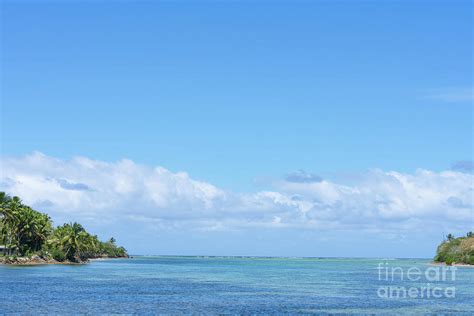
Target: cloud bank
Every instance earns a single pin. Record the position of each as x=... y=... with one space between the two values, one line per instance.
x=379 y=201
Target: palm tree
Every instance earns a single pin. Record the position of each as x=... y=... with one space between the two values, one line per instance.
x=10 y=211
x=23 y=229
x=4 y=214
x=26 y=231
x=73 y=240
x=4 y=198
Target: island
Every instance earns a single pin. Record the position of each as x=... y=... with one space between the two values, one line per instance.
x=28 y=237
x=454 y=251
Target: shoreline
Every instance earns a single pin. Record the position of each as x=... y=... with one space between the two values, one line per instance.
x=34 y=261
x=464 y=265
x=37 y=260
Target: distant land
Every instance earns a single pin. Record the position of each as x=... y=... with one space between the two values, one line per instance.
x=28 y=237
x=456 y=250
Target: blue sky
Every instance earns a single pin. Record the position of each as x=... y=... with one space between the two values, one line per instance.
x=240 y=94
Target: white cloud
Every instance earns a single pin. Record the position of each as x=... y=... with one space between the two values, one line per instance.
x=126 y=191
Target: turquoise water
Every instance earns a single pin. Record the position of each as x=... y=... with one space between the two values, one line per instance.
x=231 y=285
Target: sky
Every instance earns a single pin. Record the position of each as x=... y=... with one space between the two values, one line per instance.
x=279 y=128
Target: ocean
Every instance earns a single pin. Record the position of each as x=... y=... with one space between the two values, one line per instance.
x=237 y=285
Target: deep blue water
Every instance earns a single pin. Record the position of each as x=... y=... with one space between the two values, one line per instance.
x=230 y=285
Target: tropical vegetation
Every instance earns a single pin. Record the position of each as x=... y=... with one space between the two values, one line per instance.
x=456 y=250
x=26 y=232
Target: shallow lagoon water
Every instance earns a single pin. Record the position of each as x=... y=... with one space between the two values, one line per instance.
x=230 y=285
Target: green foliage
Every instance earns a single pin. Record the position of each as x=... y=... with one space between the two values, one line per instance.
x=456 y=250
x=471 y=259
x=449 y=261
x=25 y=231
x=111 y=250
x=58 y=254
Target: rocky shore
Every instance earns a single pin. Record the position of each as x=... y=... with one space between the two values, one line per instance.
x=39 y=260
x=33 y=260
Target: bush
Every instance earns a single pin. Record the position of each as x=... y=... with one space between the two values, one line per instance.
x=449 y=261
x=58 y=255
x=471 y=259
